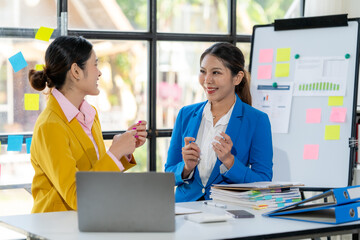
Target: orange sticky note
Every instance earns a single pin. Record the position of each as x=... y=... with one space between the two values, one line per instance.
x=311 y=151
x=338 y=114
x=31 y=101
x=313 y=115
x=44 y=34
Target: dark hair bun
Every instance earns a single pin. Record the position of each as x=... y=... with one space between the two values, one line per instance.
x=37 y=79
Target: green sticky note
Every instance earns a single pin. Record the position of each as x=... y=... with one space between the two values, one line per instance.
x=283 y=54
x=44 y=34
x=282 y=70
x=332 y=132
x=31 y=101
x=336 y=101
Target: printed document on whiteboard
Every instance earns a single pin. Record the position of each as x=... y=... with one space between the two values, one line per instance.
x=276 y=102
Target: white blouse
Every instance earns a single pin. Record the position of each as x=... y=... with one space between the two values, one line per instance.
x=205 y=137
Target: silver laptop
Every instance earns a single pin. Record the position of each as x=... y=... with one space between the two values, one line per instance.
x=125 y=202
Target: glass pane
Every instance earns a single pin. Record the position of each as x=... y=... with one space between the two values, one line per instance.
x=123 y=85
x=162 y=146
x=14 y=85
x=26 y=13
x=177 y=83
x=120 y=15
x=140 y=156
x=245 y=48
x=15 y=167
x=192 y=16
x=252 y=12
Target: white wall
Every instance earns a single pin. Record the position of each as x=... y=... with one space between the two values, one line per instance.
x=329 y=7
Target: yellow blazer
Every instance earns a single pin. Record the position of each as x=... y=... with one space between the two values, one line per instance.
x=58 y=150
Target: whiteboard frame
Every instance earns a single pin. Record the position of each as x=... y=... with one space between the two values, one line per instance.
x=352 y=110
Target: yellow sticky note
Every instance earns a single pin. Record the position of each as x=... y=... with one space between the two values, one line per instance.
x=336 y=101
x=39 y=67
x=44 y=34
x=332 y=132
x=31 y=101
x=282 y=70
x=283 y=54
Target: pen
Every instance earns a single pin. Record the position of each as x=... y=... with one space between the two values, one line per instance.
x=219 y=205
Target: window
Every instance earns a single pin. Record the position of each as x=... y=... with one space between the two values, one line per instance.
x=148 y=53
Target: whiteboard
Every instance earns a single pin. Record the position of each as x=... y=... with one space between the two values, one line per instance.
x=333 y=166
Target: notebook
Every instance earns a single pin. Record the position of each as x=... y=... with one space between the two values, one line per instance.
x=125 y=202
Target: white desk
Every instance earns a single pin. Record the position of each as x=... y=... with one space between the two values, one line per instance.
x=63 y=225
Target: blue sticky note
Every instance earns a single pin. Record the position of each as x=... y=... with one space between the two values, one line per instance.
x=18 y=62
x=28 y=144
x=15 y=143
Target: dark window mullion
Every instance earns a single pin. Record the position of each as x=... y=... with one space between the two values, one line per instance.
x=152 y=86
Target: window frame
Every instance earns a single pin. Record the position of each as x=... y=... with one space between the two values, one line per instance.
x=152 y=36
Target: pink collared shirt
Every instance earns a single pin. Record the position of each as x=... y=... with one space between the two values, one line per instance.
x=85 y=117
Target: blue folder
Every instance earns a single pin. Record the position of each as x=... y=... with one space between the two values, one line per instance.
x=338 y=205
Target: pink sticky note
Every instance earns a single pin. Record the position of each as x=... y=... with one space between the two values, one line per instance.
x=313 y=115
x=264 y=72
x=266 y=55
x=338 y=114
x=311 y=151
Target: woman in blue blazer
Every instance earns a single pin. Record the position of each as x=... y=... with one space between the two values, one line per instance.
x=222 y=140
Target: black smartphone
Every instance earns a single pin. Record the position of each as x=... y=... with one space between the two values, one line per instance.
x=240 y=214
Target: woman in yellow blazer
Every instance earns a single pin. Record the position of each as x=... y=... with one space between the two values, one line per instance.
x=67 y=135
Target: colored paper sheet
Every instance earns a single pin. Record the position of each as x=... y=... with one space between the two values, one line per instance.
x=18 y=62
x=332 y=132
x=311 y=152
x=336 y=101
x=44 y=34
x=283 y=54
x=15 y=142
x=264 y=72
x=39 y=67
x=282 y=70
x=28 y=144
x=338 y=114
x=313 y=115
x=31 y=101
x=266 y=55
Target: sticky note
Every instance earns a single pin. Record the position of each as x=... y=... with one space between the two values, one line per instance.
x=313 y=115
x=28 y=144
x=283 y=54
x=311 y=152
x=332 y=132
x=31 y=101
x=15 y=142
x=282 y=70
x=44 y=34
x=266 y=55
x=338 y=114
x=336 y=101
x=264 y=72
x=18 y=62
x=39 y=67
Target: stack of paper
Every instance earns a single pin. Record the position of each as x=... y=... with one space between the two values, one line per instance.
x=257 y=195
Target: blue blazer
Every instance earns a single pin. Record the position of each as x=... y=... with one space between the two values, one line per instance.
x=250 y=132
